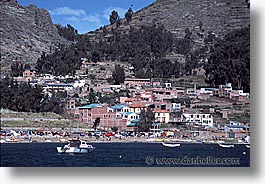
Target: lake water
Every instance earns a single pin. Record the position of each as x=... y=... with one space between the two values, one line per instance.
x=125 y=155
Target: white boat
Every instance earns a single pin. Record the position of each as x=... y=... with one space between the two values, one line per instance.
x=2 y=141
x=247 y=146
x=226 y=145
x=171 y=145
x=76 y=146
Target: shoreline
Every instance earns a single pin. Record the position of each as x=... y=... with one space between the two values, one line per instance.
x=114 y=140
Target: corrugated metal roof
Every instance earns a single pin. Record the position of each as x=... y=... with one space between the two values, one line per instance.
x=90 y=106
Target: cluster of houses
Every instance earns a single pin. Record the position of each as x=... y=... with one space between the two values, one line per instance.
x=124 y=112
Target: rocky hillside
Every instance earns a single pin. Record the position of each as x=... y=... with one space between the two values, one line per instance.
x=218 y=16
x=200 y=16
x=26 y=32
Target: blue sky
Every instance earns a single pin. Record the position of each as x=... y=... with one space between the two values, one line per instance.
x=85 y=15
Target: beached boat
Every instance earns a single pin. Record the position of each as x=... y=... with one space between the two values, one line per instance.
x=226 y=145
x=76 y=146
x=171 y=145
x=247 y=146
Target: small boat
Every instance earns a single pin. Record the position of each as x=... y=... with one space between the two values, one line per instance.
x=226 y=145
x=76 y=146
x=247 y=146
x=171 y=145
x=2 y=141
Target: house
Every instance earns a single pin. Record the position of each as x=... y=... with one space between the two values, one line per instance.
x=212 y=91
x=146 y=97
x=224 y=90
x=85 y=112
x=198 y=119
x=136 y=83
x=131 y=118
x=57 y=87
x=161 y=116
x=70 y=105
x=127 y=100
x=236 y=127
x=176 y=107
x=107 y=118
x=168 y=85
x=120 y=108
x=137 y=108
x=239 y=96
x=30 y=72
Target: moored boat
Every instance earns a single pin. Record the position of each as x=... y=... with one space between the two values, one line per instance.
x=76 y=146
x=247 y=146
x=171 y=145
x=2 y=141
x=226 y=145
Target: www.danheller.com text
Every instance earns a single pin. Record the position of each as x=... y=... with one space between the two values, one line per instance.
x=208 y=160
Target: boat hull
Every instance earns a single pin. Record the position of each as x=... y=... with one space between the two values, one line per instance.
x=247 y=146
x=171 y=145
x=226 y=146
x=74 y=150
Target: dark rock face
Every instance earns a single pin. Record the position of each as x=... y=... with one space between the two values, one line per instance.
x=218 y=16
x=26 y=32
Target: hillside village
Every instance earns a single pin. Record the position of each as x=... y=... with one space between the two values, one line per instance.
x=186 y=109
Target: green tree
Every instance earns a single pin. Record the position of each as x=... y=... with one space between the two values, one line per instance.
x=147 y=118
x=128 y=15
x=118 y=74
x=229 y=60
x=113 y=17
x=96 y=123
x=92 y=96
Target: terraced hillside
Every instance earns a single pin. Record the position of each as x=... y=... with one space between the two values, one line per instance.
x=218 y=16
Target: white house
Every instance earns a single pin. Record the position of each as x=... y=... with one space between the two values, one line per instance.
x=130 y=117
x=199 y=119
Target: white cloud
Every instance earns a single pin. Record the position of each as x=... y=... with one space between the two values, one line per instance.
x=72 y=18
x=107 y=12
x=91 y=18
x=67 y=11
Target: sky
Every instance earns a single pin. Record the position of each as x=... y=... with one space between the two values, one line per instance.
x=85 y=15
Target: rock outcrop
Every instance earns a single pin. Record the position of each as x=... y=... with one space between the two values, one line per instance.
x=26 y=32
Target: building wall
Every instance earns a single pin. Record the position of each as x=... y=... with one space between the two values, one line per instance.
x=201 y=119
x=162 y=116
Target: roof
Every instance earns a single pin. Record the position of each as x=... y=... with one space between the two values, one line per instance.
x=236 y=126
x=60 y=84
x=131 y=125
x=32 y=69
x=90 y=106
x=120 y=106
x=128 y=113
x=161 y=111
x=135 y=120
x=137 y=106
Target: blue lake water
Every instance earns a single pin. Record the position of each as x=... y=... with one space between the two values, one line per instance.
x=125 y=155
